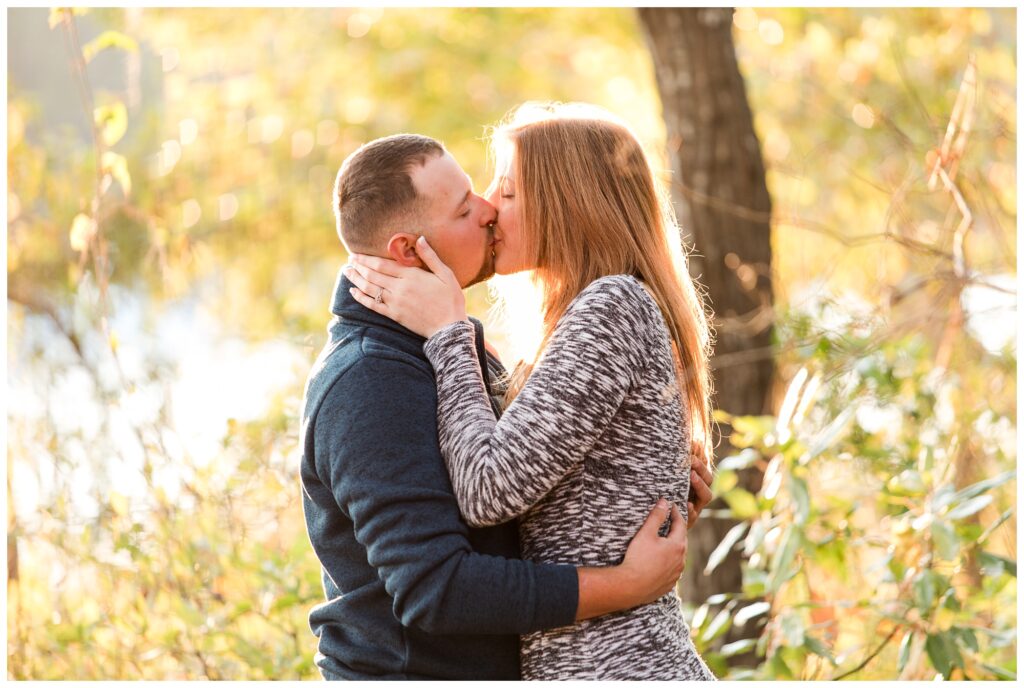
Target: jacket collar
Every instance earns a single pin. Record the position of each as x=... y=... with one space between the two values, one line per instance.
x=347 y=308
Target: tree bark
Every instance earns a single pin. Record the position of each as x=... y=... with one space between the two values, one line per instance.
x=721 y=198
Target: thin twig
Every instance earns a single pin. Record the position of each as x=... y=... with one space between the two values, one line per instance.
x=869 y=657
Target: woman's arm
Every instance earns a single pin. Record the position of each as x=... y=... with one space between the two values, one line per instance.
x=501 y=468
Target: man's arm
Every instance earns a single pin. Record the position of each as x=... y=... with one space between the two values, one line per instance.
x=611 y=589
x=376 y=445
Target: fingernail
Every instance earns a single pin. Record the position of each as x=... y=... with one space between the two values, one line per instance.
x=662 y=503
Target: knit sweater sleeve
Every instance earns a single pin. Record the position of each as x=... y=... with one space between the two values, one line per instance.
x=501 y=468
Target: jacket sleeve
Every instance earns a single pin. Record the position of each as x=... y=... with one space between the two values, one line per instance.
x=501 y=468
x=376 y=446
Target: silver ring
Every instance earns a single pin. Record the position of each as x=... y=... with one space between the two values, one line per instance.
x=379 y=298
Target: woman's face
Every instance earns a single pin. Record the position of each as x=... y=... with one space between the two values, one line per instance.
x=509 y=251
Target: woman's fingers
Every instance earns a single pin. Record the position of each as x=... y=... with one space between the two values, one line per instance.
x=677 y=531
x=699 y=491
x=654 y=519
x=432 y=261
x=362 y=284
x=383 y=265
x=699 y=462
x=373 y=277
x=370 y=302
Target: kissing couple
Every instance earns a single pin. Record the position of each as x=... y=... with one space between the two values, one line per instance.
x=475 y=523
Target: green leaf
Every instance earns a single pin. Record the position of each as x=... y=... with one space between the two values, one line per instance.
x=746 y=458
x=750 y=611
x=994 y=565
x=939 y=654
x=108 y=39
x=754 y=581
x=754 y=538
x=970 y=507
x=819 y=648
x=944 y=496
x=793 y=629
x=826 y=437
x=967 y=637
x=725 y=546
x=924 y=591
x=699 y=617
x=945 y=540
x=998 y=639
x=723 y=482
x=943 y=652
x=735 y=648
x=112 y=121
x=998 y=522
x=904 y=652
x=778 y=667
x=780 y=570
x=949 y=600
x=999 y=672
x=801 y=497
x=742 y=503
x=719 y=625
x=984 y=485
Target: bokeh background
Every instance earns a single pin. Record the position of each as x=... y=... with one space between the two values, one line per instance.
x=171 y=251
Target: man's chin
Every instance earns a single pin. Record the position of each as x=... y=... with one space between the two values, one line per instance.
x=486 y=272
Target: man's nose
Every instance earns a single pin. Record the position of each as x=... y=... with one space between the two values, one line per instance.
x=490 y=213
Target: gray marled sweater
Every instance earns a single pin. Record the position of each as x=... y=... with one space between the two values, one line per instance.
x=592 y=441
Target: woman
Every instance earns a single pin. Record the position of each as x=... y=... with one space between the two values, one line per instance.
x=602 y=414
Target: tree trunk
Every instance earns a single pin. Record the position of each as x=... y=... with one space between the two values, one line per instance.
x=722 y=201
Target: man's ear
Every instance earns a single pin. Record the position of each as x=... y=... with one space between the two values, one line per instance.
x=402 y=248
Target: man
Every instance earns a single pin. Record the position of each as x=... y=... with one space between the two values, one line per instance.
x=412 y=592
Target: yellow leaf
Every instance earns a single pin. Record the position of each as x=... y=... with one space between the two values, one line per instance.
x=113 y=122
x=83 y=228
x=57 y=13
x=117 y=167
x=119 y=503
x=108 y=39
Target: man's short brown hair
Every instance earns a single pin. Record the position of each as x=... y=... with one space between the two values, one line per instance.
x=374 y=191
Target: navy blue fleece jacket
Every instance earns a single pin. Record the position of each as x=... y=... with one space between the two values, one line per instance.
x=411 y=591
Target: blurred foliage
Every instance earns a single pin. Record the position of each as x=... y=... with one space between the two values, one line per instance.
x=202 y=185
x=883 y=540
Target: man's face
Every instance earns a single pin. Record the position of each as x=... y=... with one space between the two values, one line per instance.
x=456 y=220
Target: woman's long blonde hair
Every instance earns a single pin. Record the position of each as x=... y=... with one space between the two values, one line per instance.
x=589 y=206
